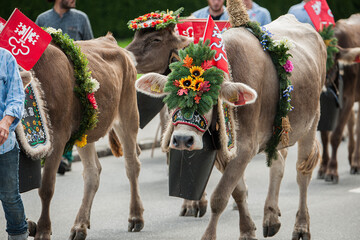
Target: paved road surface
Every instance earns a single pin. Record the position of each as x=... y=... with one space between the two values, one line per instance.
x=334 y=209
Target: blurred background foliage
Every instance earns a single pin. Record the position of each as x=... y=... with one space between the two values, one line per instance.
x=113 y=15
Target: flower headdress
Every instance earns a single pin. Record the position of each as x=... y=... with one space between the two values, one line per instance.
x=157 y=20
x=194 y=82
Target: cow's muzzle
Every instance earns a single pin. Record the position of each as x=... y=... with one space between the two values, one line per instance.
x=186 y=141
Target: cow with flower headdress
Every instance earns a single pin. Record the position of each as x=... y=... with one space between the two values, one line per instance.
x=271 y=95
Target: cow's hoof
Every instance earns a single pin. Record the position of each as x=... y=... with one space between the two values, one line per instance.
x=320 y=175
x=247 y=238
x=301 y=235
x=44 y=236
x=32 y=228
x=332 y=178
x=135 y=225
x=354 y=170
x=269 y=231
x=78 y=235
x=193 y=210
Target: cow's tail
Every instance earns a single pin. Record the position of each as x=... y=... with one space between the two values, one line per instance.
x=306 y=167
x=238 y=15
x=115 y=144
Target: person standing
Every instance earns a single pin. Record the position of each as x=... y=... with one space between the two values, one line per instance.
x=215 y=8
x=76 y=24
x=257 y=13
x=300 y=13
x=11 y=109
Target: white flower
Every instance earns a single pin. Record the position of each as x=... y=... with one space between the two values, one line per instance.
x=287 y=43
x=95 y=84
x=28 y=137
x=51 y=30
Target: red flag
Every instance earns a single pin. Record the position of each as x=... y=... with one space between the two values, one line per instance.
x=195 y=28
x=319 y=13
x=213 y=33
x=24 y=39
x=2 y=23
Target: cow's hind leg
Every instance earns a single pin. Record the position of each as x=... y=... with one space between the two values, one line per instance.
x=308 y=156
x=355 y=161
x=271 y=223
x=91 y=175
x=127 y=129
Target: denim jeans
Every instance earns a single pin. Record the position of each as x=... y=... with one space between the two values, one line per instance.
x=9 y=193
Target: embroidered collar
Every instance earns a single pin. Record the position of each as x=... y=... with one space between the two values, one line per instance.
x=197 y=121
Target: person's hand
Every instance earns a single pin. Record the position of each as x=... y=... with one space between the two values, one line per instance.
x=5 y=124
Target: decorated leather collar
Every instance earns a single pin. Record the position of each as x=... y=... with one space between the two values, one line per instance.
x=197 y=121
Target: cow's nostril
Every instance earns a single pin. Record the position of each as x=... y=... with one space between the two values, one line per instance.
x=189 y=142
x=175 y=142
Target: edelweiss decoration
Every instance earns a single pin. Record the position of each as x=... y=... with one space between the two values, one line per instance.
x=85 y=89
x=157 y=20
x=278 y=50
x=194 y=82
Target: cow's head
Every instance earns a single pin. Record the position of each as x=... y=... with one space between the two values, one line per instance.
x=154 y=49
x=192 y=89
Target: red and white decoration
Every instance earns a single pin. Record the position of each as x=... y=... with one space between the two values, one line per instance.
x=195 y=27
x=2 y=23
x=213 y=33
x=319 y=13
x=24 y=39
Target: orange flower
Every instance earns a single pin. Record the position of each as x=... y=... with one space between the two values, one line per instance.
x=188 y=61
x=196 y=83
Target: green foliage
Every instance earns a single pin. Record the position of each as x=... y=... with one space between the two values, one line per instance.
x=197 y=97
x=84 y=85
x=108 y=15
x=331 y=41
x=279 y=54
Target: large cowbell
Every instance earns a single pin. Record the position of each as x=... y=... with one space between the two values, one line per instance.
x=189 y=171
x=148 y=108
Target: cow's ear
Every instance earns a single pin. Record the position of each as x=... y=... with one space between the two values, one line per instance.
x=182 y=41
x=237 y=94
x=349 y=55
x=151 y=84
x=26 y=78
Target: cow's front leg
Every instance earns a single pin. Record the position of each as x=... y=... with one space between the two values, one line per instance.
x=325 y=138
x=194 y=208
x=219 y=199
x=271 y=223
x=46 y=192
x=91 y=175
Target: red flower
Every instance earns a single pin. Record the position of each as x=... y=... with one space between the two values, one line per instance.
x=134 y=26
x=205 y=86
x=92 y=100
x=182 y=92
x=31 y=97
x=197 y=99
x=27 y=90
x=146 y=25
x=206 y=64
x=153 y=24
x=176 y=83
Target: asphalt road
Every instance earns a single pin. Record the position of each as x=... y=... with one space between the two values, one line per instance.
x=334 y=209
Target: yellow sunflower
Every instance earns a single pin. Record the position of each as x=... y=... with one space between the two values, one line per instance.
x=186 y=83
x=196 y=84
x=196 y=71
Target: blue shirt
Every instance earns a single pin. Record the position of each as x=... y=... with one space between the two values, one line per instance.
x=74 y=22
x=204 y=13
x=259 y=14
x=300 y=13
x=11 y=95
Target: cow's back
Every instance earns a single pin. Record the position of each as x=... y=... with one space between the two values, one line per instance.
x=252 y=65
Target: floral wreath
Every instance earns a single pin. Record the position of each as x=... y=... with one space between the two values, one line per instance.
x=85 y=89
x=157 y=20
x=278 y=50
x=328 y=35
x=194 y=83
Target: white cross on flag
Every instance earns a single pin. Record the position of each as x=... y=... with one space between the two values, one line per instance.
x=24 y=39
x=2 y=23
x=213 y=33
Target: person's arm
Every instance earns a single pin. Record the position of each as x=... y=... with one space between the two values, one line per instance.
x=87 y=32
x=14 y=100
x=267 y=17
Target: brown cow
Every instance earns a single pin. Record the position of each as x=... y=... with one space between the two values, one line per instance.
x=347 y=31
x=116 y=99
x=253 y=71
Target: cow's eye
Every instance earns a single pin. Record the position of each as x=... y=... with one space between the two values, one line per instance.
x=156 y=40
